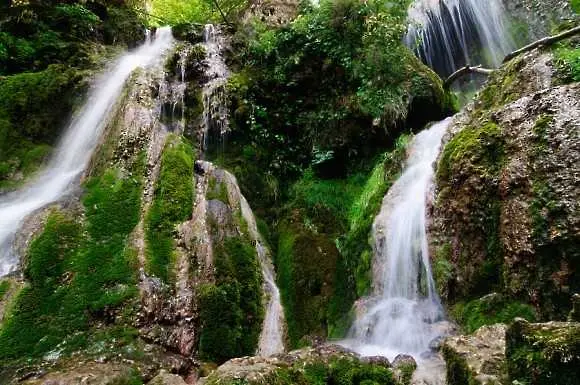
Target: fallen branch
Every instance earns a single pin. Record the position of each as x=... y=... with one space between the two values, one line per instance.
x=464 y=71
x=547 y=41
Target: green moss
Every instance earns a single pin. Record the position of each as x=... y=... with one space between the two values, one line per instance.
x=457 y=372
x=543 y=354
x=231 y=308
x=490 y=310
x=218 y=191
x=33 y=108
x=337 y=370
x=4 y=287
x=172 y=204
x=79 y=270
x=443 y=269
x=568 y=62
x=481 y=146
x=575 y=4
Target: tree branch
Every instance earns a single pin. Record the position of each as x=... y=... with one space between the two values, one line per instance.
x=543 y=42
x=464 y=71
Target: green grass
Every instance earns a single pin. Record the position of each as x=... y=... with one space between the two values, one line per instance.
x=79 y=270
x=172 y=204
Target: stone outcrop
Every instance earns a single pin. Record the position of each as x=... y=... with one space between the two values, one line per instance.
x=506 y=216
x=547 y=353
x=328 y=364
x=534 y=19
x=478 y=358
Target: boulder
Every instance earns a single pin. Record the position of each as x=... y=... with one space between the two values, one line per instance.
x=164 y=378
x=478 y=358
x=543 y=353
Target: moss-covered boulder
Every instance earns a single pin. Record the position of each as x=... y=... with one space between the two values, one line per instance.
x=506 y=214
x=543 y=354
x=322 y=365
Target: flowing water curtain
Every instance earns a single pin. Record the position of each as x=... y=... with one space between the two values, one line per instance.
x=449 y=34
x=73 y=153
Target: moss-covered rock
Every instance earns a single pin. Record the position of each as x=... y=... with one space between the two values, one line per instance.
x=505 y=216
x=323 y=365
x=542 y=354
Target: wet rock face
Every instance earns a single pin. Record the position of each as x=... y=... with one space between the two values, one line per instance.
x=477 y=358
x=535 y=19
x=506 y=216
x=547 y=353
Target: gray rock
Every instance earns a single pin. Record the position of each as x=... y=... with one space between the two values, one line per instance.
x=479 y=357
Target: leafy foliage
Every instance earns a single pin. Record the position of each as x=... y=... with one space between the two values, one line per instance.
x=316 y=86
x=175 y=12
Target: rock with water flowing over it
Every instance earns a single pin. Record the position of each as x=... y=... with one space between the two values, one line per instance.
x=506 y=214
x=478 y=358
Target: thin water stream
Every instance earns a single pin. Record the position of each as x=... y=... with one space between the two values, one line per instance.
x=76 y=147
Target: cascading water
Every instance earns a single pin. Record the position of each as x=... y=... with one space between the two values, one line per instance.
x=272 y=336
x=215 y=109
x=402 y=314
x=75 y=149
x=449 y=34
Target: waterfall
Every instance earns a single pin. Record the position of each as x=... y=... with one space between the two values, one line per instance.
x=401 y=315
x=76 y=147
x=272 y=336
x=215 y=120
x=449 y=34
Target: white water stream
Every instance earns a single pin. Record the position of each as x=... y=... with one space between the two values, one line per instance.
x=215 y=109
x=76 y=147
x=448 y=34
x=401 y=317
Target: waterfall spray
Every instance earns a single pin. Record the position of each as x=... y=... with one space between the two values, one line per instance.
x=449 y=34
x=75 y=149
x=401 y=314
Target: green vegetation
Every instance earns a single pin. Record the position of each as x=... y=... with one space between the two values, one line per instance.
x=32 y=106
x=231 y=310
x=568 y=60
x=79 y=271
x=174 y=12
x=329 y=221
x=338 y=370
x=47 y=51
x=172 y=204
x=575 y=4
x=490 y=310
x=543 y=354
x=4 y=287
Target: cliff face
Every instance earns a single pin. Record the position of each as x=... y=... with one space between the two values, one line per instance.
x=506 y=213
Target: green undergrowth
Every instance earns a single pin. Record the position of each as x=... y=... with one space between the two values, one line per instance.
x=231 y=310
x=543 y=354
x=47 y=53
x=172 y=204
x=4 y=287
x=329 y=221
x=80 y=271
x=568 y=61
x=489 y=310
x=33 y=107
x=343 y=371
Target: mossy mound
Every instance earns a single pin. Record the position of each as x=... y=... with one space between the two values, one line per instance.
x=544 y=354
